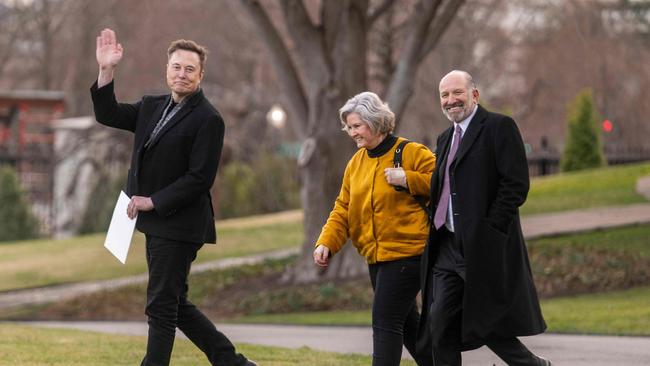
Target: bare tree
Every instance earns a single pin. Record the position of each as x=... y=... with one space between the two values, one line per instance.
x=34 y=28
x=479 y=42
x=10 y=29
x=573 y=45
x=319 y=51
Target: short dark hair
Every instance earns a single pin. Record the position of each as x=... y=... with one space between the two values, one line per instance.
x=187 y=45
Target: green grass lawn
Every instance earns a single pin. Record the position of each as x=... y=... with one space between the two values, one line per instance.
x=28 y=346
x=618 y=312
x=590 y=188
x=614 y=313
x=623 y=244
x=336 y=318
x=47 y=262
x=633 y=239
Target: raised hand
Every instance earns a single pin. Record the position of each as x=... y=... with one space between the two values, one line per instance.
x=109 y=52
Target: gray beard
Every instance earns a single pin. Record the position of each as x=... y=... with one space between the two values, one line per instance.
x=464 y=115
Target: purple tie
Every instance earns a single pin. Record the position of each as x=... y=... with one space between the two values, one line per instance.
x=443 y=204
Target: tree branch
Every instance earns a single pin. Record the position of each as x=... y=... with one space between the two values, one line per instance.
x=8 y=52
x=282 y=63
x=308 y=41
x=400 y=88
x=331 y=18
x=439 y=26
x=379 y=11
x=349 y=55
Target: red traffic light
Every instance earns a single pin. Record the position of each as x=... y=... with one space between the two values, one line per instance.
x=607 y=126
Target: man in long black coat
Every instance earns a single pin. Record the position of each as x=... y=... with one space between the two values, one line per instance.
x=176 y=150
x=477 y=283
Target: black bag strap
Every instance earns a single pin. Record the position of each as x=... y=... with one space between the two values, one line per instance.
x=397 y=163
x=397 y=158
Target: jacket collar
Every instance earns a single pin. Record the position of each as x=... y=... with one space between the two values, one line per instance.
x=473 y=130
x=475 y=126
x=188 y=106
x=384 y=146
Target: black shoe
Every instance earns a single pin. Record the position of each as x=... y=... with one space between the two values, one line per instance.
x=544 y=362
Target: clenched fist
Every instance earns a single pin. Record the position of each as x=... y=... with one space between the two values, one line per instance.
x=396 y=177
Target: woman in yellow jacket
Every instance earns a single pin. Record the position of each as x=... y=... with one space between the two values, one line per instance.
x=388 y=227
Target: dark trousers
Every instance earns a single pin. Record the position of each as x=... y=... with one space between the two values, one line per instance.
x=445 y=312
x=394 y=312
x=168 y=307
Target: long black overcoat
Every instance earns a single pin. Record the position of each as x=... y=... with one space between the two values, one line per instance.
x=488 y=181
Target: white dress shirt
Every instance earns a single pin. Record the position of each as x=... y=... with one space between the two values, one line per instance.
x=463 y=126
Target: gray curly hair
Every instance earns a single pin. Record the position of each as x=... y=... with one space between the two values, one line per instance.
x=372 y=110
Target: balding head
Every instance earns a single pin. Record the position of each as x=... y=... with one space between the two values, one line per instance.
x=458 y=95
x=460 y=74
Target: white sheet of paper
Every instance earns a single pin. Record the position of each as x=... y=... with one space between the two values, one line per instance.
x=120 y=232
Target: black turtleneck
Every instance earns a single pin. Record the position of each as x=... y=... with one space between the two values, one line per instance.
x=383 y=147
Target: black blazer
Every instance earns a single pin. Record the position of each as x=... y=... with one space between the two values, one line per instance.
x=488 y=181
x=177 y=169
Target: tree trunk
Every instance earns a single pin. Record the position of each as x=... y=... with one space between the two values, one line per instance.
x=325 y=65
x=321 y=174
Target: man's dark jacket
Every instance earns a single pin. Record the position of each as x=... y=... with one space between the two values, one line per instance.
x=488 y=182
x=177 y=168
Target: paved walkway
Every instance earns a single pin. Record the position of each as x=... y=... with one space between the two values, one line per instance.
x=568 y=350
x=534 y=226
x=9 y=299
x=572 y=350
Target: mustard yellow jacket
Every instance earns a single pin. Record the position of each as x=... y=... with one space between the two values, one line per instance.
x=383 y=224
